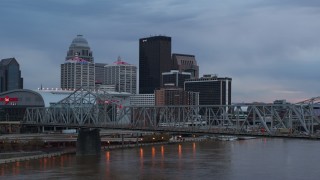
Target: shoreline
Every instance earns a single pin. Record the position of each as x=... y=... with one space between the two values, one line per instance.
x=39 y=156
x=103 y=148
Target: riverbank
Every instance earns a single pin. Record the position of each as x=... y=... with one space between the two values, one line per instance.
x=25 y=156
x=36 y=155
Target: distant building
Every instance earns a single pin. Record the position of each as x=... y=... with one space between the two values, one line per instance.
x=78 y=69
x=175 y=96
x=13 y=105
x=108 y=88
x=212 y=90
x=186 y=63
x=76 y=73
x=81 y=48
x=99 y=72
x=10 y=75
x=175 y=78
x=154 y=59
x=122 y=75
x=142 y=100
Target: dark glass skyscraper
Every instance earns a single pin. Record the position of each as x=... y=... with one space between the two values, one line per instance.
x=154 y=59
x=10 y=75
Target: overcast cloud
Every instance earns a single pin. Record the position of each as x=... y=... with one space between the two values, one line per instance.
x=271 y=48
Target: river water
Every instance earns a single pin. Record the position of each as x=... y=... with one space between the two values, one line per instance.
x=261 y=158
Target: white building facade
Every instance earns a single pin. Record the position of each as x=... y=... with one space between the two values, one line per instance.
x=75 y=74
x=122 y=75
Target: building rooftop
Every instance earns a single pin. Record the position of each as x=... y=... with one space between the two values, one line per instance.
x=79 y=41
x=7 y=61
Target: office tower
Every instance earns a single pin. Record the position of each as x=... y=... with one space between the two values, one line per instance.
x=174 y=78
x=175 y=96
x=186 y=63
x=76 y=73
x=154 y=59
x=10 y=75
x=81 y=48
x=122 y=75
x=212 y=90
x=99 y=72
x=78 y=69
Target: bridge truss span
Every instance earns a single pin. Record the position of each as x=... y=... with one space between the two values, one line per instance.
x=237 y=119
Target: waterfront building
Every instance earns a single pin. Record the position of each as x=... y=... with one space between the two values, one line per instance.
x=175 y=96
x=186 y=63
x=122 y=75
x=212 y=90
x=78 y=69
x=10 y=75
x=80 y=47
x=154 y=59
x=175 y=78
x=13 y=105
x=142 y=100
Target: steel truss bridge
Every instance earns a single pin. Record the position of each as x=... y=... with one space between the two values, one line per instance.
x=85 y=108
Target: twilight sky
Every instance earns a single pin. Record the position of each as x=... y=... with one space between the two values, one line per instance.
x=270 y=48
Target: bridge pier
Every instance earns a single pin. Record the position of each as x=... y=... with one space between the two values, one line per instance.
x=88 y=142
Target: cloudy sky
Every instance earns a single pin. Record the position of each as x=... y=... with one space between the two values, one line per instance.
x=270 y=48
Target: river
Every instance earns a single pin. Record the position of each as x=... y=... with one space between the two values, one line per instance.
x=261 y=158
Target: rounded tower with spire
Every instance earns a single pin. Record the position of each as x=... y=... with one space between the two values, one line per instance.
x=80 y=48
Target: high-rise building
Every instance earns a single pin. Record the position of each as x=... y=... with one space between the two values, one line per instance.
x=78 y=69
x=81 y=48
x=186 y=63
x=212 y=90
x=76 y=73
x=154 y=59
x=10 y=75
x=99 y=72
x=175 y=78
x=122 y=75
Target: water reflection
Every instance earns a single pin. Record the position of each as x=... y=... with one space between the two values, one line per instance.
x=107 y=154
x=200 y=160
x=179 y=151
x=162 y=151
x=141 y=160
x=194 y=149
x=153 y=149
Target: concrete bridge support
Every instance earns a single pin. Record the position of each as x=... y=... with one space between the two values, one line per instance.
x=88 y=142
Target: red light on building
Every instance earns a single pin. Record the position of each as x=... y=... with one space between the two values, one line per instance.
x=8 y=99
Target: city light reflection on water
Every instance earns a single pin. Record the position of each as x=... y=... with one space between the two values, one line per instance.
x=263 y=158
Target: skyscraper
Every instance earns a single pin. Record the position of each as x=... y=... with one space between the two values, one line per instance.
x=154 y=59
x=78 y=69
x=99 y=72
x=122 y=75
x=186 y=63
x=10 y=75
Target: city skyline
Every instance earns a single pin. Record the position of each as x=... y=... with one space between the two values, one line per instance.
x=269 y=48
